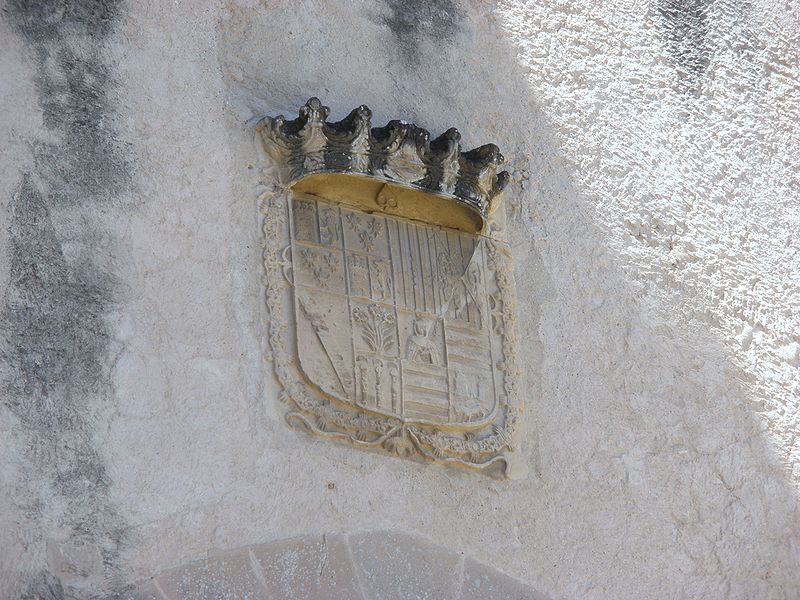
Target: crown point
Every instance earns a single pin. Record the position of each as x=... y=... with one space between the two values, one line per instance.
x=501 y=182
x=314 y=110
x=445 y=147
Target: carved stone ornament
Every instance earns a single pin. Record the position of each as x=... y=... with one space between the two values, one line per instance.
x=389 y=288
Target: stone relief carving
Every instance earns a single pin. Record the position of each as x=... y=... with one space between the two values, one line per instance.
x=388 y=331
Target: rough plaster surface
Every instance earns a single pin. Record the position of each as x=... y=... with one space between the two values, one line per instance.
x=654 y=218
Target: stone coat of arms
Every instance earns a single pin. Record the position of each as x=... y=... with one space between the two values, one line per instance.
x=390 y=292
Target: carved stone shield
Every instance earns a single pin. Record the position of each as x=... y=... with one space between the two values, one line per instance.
x=395 y=327
x=394 y=316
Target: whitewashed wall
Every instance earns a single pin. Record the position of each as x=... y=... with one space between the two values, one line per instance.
x=655 y=219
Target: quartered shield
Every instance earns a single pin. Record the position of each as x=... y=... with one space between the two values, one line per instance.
x=394 y=316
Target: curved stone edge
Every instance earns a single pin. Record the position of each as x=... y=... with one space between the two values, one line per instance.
x=367 y=565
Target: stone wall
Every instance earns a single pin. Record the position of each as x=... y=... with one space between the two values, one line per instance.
x=653 y=215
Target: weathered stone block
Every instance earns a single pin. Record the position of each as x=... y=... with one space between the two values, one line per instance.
x=308 y=568
x=400 y=567
x=482 y=582
x=226 y=577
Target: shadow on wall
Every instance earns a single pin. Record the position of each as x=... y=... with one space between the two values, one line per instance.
x=649 y=471
x=370 y=565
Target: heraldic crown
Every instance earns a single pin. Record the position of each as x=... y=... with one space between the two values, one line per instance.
x=428 y=179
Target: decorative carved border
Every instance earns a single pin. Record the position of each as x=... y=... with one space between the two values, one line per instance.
x=311 y=411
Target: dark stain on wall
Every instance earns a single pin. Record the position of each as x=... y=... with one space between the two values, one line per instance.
x=684 y=26
x=73 y=80
x=54 y=340
x=52 y=313
x=44 y=586
x=413 y=22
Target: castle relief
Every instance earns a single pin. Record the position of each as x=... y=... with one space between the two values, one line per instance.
x=389 y=288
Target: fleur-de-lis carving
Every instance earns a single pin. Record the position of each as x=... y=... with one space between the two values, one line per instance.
x=322 y=265
x=366 y=228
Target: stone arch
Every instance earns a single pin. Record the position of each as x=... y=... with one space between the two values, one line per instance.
x=372 y=565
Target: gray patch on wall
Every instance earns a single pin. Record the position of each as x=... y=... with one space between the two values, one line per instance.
x=55 y=342
x=44 y=586
x=414 y=21
x=685 y=29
